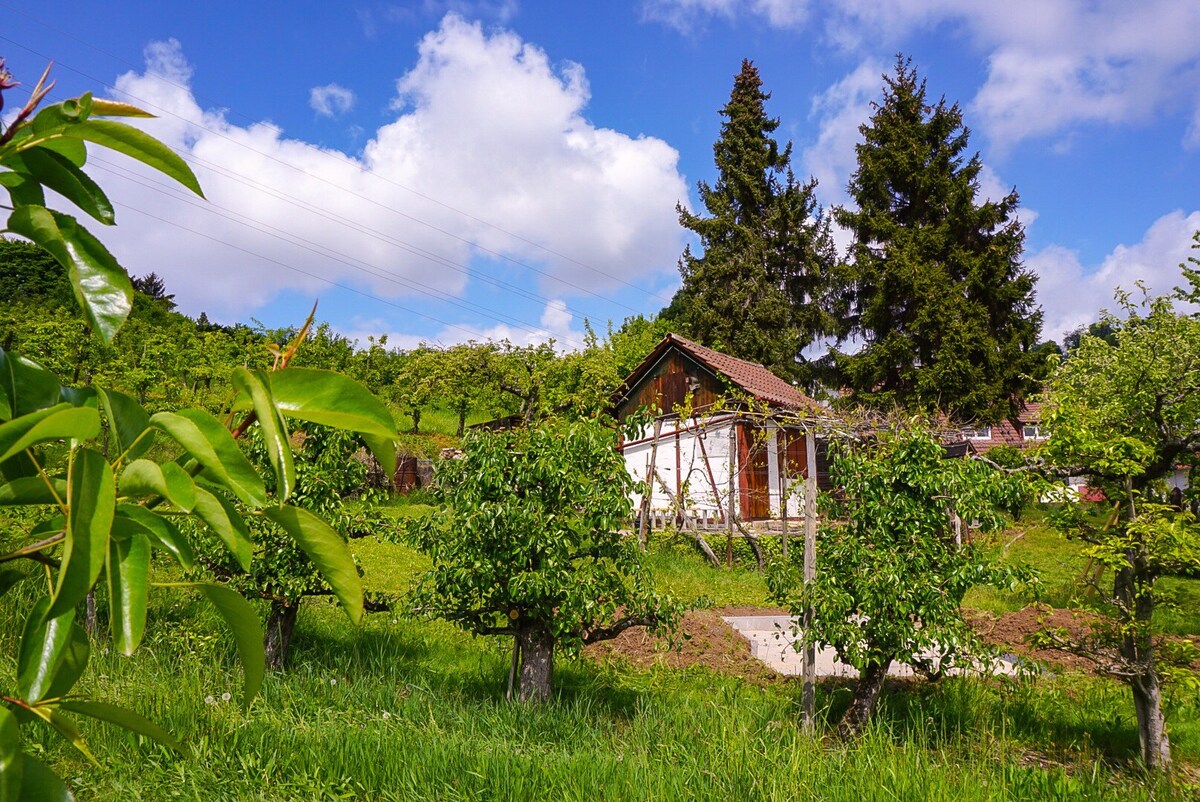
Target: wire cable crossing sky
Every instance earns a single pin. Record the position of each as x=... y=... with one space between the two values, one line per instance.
x=445 y=171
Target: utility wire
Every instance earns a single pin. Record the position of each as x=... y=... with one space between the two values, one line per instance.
x=345 y=160
x=118 y=171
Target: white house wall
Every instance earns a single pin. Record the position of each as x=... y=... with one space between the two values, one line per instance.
x=692 y=478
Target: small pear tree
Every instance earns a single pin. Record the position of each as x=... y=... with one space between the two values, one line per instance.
x=893 y=571
x=527 y=544
x=1123 y=412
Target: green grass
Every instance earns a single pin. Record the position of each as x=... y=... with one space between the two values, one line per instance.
x=1063 y=568
x=401 y=710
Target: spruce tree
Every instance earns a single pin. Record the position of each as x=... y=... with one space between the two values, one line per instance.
x=940 y=298
x=757 y=292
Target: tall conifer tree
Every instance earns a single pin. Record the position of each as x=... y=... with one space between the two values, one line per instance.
x=758 y=290
x=940 y=297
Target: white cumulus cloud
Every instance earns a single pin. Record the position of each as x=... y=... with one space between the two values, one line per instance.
x=556 y=326
x=688 y=15
x=331 y=100
x=1072 y=293
x=489 y=154
x=1051 y=64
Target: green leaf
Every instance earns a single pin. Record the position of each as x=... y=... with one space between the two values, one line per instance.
x=25 y=386
x=331 y=399
x=325 y=397
x=328 y=552
x=9 y=577
x=128 y=578
x=78 y=396
x=74 y=150
x=122 y=717
x=101 y=286
x=52 y=654
x=384 y=449
x=40 y=784
x=247 y=632
x=66 y=728
x=115 y=108
x=127 y=421
x=56 y=423
x=274 y=430
x=143 y=477
x=74 y=663
x=32 y=490
x=10 y=756
x=91 y=503
x=223 y=519
x=211 y=444
x=55 y=171
x=132 y=519
x=138 y=145
x=23 y=190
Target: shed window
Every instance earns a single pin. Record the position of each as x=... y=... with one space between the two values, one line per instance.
x=977 y=432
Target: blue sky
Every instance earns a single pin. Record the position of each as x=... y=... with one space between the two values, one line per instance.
x=445 y=170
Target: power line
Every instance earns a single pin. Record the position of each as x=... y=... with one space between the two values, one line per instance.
x=323 y=251
x=344 y=160
x=294 y=269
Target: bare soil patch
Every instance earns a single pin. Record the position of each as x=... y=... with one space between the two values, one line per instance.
x=702 y=639
x=1010 y=630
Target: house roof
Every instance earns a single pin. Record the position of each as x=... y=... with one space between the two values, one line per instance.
x=750 y=377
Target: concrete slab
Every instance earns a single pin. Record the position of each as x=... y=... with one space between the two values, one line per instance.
x=773 y=641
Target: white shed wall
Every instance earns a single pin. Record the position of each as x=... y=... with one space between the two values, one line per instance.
x=692 y=479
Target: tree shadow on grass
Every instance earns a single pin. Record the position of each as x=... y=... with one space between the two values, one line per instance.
x=1073 y=723
x=441 y=659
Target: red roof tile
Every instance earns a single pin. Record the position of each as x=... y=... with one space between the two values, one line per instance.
x=751 y=377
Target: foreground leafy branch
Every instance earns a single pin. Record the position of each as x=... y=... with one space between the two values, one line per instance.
x=79 y=459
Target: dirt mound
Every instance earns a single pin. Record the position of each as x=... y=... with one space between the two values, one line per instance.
x=702 y=639
x=1010 y=630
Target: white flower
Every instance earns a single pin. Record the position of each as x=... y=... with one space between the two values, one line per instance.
x=208 y=700
x=333 y=682
x=225 y=697
x=386 y=715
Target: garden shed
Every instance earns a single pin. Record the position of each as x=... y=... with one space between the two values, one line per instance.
x=723 y=434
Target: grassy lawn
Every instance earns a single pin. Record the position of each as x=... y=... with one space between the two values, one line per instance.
x=1063 y=567
x=401 y=710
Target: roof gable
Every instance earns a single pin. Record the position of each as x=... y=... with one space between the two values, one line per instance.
x=750 y=377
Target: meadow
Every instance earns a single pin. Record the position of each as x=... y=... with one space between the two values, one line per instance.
x=404 y=709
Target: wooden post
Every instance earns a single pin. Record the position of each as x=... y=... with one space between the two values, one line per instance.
x=729 y=515
x=679 y=513
x=782 y=455
x=643 y=536
x=808 y=692
x=712 y=480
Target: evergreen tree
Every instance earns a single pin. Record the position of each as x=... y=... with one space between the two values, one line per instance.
x=758 y=290
x=940 y=298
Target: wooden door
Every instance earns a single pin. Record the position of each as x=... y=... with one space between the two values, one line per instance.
x=754 y=472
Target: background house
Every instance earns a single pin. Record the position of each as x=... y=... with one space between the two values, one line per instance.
x=1022 y=433
x=716 y=417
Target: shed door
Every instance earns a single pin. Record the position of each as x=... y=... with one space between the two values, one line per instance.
x=754 y=479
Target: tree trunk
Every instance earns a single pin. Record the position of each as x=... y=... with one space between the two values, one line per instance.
x=416 y=417
x=1152 y=730
x=279 y=633
x=1131 y=588
x=866 y=693
x=462 y=422
x=535 y=682
x=90 y=624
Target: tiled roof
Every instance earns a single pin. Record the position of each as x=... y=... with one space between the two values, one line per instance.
x=749 y=376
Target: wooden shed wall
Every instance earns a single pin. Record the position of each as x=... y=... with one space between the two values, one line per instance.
x=666 y=386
